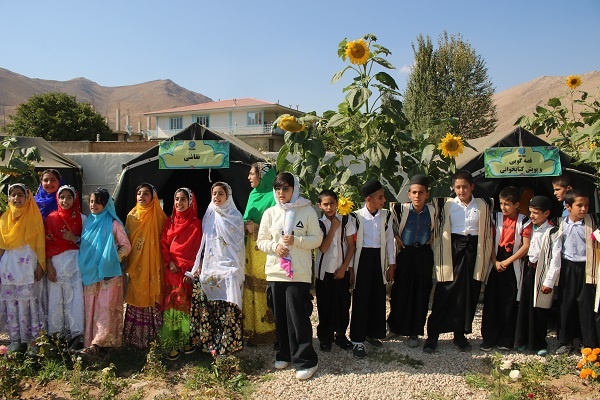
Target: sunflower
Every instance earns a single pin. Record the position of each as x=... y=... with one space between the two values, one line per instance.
x=451 y=146
x=358 y=51
x=290 y=124
x=573 y=81
x=345 y=205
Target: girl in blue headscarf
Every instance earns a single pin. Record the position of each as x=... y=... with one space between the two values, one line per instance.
x=104 y=243
x=45 y=197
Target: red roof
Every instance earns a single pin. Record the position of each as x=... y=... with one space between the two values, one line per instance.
x=216 y=105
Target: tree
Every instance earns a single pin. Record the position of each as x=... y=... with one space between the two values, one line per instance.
x=18 y=166
x=449 y=82
x=57 y=116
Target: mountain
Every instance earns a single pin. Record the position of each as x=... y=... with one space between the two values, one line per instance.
x=132 y=99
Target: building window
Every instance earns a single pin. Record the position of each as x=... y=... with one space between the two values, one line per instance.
x=255 y=118
x=176 y=123
x=203 y=120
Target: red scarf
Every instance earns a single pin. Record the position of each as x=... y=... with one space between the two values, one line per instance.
x=60 y=220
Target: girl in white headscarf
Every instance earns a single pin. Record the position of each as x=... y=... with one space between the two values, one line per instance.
x=217 y=299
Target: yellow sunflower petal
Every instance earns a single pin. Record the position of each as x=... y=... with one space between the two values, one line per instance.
x=345 y=205
x=451 y=146
x=358 y=51
x=573 y=81
x=290 y=123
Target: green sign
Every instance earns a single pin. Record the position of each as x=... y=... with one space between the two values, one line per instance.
x=190 y=154
x=502 y=162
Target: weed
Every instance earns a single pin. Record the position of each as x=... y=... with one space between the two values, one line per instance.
x=388 y=356
x=51 y=369
x=154 y=367
x=137 y=395
x=77 y=389
x=10 y=378
x=109 y=386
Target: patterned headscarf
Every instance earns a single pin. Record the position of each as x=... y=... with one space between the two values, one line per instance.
x=60 y=220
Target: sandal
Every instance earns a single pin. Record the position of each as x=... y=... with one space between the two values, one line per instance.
x=189 y=349
x=92 y=351
x=173 y=355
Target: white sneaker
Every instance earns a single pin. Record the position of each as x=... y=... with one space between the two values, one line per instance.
x=303 y=374
x=281 y=364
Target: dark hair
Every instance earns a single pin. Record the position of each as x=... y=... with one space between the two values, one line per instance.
x=63 y=188
x=256 y=167
x=146 y=185
x=573 y=194
x=563 y=180
x=510 y=193
x=221 y=185
x=51 y=171
x=282 y=178
x=182 y=190
x=101 y=196
x=19 y=186
x=462 y=174
x=327 y=193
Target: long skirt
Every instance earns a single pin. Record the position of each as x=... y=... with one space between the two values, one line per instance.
x=142 y=325
x=65 y=297
x=104 y=313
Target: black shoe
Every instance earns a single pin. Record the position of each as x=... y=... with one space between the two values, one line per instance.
x=430 y=346
x=462 y=343
x=343 y=342
x=324 y=346
x=358 y=351
x=374 y=342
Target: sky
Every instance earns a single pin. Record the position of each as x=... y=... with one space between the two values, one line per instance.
x=282 y=51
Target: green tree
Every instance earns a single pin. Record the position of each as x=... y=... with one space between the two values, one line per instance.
x=17 y=166
x=450 y=81
x=57 y=116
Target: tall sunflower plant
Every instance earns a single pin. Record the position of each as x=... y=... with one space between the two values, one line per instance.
x=18 y=166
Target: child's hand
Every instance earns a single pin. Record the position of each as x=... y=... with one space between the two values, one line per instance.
x=39 y=273
x=282 y=251
x=390 y=273
x=335 y=223
x=500 y=267
x=187 y=280
x=288 y=240
x=339 y=273
x=68 y=235
x=250 y=226
x=399 y=242
x=173 y=268
x=51 y=271
x=546 y=290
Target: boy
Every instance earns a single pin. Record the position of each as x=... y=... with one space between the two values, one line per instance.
x=539 y=277
x=413 y=229
x=578 y=275
x=374 y=250
x=503 y=286
x=561 y=185
x=334 y=273
x=462 y=255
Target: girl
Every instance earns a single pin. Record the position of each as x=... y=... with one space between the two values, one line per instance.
x=258 y=319
x=104 y=243
x=179 y=243
x=45 y=198
x=288 y=232
x=22 y=265
x=217 y=300
x=145 y=222
x=65 y=290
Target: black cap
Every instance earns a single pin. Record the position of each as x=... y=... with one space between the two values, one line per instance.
x=370 y=187
x=541 y=202
x=419 y=180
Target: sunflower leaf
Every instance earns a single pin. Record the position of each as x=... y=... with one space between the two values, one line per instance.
x=282 y=163
x=554 y=102
x=383 y=62
x=337 y=120
x=386 y=79
x=338 y=75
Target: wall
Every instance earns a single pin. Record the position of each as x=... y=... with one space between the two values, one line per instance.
x=85 y=146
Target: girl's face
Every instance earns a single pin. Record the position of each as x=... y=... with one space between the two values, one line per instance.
x=50 y=182
x=284 y=193
x=144 y=196
x=253 y=177
x=66 y=200
x=219 y=196
x=17 y=197
x=182 y=203
x=95 y=206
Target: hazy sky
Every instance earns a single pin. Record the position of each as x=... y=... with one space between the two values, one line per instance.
x=284 y=51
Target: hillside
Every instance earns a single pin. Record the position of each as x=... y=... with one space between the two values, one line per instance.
x=132 y=99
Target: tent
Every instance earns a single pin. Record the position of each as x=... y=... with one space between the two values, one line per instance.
x=582 y=175
x=71 y=172
x=144 y=168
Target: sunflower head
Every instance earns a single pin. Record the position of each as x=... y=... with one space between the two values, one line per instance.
x=573 y=81
x=358 y=51
x=345 y=205
x=290 y=123
x=451 y=146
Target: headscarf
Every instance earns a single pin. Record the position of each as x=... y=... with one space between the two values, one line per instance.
x=20 y=226
x=98 y=258
x=261 y=196
x=45 y=201
x=145 y=224
x=62 y=219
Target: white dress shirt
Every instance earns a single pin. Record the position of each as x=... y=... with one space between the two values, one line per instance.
x=574 y=240
x=332 y=258
x=464 y=218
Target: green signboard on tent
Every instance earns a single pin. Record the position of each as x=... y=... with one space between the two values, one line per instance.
x=504 y=162
x=191 y=154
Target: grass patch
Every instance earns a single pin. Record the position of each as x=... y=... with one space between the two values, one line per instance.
x=389 y=356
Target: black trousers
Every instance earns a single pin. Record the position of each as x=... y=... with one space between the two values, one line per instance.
x=333 y=305
x=576 y=305
x=368 y=299
x=499 y=319
x=455 y=302
x=292 y=304
x=532 y=321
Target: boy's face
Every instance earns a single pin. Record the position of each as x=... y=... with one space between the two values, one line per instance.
x=463 y=190
x=537 y=216
x=418 y=195
x=579 y=208
x=376 y=200
x=560 y=191
x=509 y=208
x=328 y=205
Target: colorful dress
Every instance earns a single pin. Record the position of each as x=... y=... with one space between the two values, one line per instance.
x=217 y=301
x=22 y=314
x=143 y=317
x=180 y=241
x=258 y=319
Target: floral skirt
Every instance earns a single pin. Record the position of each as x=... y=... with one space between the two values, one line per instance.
x=142 y=325
x=216 y=325
x=104 y=313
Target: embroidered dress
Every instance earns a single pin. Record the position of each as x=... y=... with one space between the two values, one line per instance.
x=143 y=317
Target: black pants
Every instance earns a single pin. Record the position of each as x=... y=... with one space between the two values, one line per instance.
x=333 y=305
x=576 y=305
x=532 y=321
x=499 y=317
x=292 y=304
x=368 y=300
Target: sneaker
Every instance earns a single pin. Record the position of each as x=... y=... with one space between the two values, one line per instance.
x=343 y=342
x=173 y=355
x=462 y=343
x=189 y=349
x=430 y=346
x=374 y=342
x=303 y=374
x=485 y=347
x=503 y=348
x=413 y=342
x=14 y=347
x=325 y=346
x=542 y=352
x=563 y=349
x=358 y=351
x=281 y=364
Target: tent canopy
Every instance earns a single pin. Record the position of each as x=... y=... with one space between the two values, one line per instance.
x=581 y=174
x=70 y=171
x=144 y=168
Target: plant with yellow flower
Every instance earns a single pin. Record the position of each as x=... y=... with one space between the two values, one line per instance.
x=357 y=51
x=573 y=81
x=18 y=166
x=451 y=146
x=345 y=205
x=588 y=365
